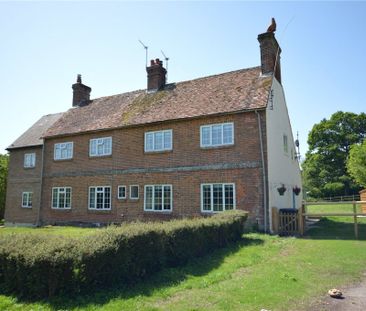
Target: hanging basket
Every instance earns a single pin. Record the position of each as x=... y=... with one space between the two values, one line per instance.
x=281 y=190
x=296 y=190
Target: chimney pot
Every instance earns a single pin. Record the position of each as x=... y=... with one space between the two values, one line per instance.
x=152 y=62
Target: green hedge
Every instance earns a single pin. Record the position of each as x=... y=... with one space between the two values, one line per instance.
x=41 y=266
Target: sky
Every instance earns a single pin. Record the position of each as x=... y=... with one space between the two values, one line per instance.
x=44 y=45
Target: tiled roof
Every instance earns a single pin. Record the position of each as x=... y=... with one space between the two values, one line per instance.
x=33 y=136
x=224 y=93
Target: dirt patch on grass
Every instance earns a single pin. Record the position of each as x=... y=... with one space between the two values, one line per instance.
x=354 y=299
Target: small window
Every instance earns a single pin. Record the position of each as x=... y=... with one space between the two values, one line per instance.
x=158 y=198
x=121 y=192
x=27 y=199
x=61 y=197
x=217 y=197
x=100 y=198
x=100 y=147
x=134 y=192
x=217 y=135
x=158 y=141
x=285 y=143
x=29 y=160
x=63 y=151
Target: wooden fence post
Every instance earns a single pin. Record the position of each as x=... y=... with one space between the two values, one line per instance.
x=275 y=220
x=301 y=220
x=355 y=219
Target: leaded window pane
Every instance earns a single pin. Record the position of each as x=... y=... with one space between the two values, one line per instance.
x=149 y=197
x=149 y=141
x=167 y=140
x=134 y=192
x=158 y=141
x=228 y=133
x=167 y=198
x=206 y=197
x=216 y=135
x=158 y=198
x=229 y=197
x=217 y=197
x=68 y=198
x=206 y=136
x=25 y=199
x=92 y=198
x=107 y=197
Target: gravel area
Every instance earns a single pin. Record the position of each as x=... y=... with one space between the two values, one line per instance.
x=354 y=299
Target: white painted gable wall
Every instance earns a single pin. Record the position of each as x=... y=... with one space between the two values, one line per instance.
x=282 y=167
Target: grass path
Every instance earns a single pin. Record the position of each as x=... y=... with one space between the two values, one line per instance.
x=262 y=271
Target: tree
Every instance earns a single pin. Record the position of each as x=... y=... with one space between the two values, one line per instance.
x=356 y=163
x=4 y=159
x=324 y=169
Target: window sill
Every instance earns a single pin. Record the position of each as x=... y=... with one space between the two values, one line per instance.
x=158 y=151
x=29 y=167
x=217 y=147
x=99 y=211
x=158 y=211
x=216 y=212
x=27 y=207
x=63 y=160
x=61 y=209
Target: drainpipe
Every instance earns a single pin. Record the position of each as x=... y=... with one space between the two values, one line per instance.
x=265 y=208
x=38 y=223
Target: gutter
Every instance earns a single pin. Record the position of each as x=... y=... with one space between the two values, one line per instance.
x=264 y=177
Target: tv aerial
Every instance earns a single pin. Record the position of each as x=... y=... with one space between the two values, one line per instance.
x=166 y=60
x=146 y=48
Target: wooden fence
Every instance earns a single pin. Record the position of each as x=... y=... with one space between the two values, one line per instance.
x=293 y=222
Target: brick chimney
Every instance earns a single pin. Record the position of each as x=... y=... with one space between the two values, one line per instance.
x=81 y=93
x=155 y=75
x=270 y=52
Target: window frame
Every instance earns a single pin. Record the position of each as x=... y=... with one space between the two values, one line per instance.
x=223 y=197
x=210 y=127
x=162 y=195
x=153 y=133
x=32 y=162
x=138 y=192
x=118 y=196
x=97 y=142
x=71 y=143
x=29 y=199
x=95 y=198
x=64 y=190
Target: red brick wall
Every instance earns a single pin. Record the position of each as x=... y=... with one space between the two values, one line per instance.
x=186 y=195
x=242 y=161
x=20 y=180
x=128 y=147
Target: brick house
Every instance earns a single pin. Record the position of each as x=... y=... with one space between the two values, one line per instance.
x=174 y=150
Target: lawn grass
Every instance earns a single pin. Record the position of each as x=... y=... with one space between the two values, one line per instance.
x=261 y=271
x=338 y=208
x=49 y=230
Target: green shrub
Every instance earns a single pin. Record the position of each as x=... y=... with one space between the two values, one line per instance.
x=36 y=266
x=41 y=266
